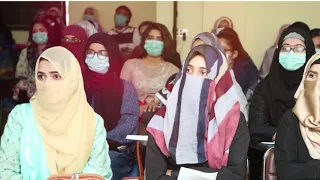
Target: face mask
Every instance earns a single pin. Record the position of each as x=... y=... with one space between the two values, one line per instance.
x=88 y=17
x=219 y=30
x=317 y=50
x=153 y=47
x=228 y=56
x=292 y=61
x=120 y=20
x=40 y=37
x=97 y=65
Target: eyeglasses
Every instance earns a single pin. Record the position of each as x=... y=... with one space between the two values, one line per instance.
x=101 y=54
x=296 y=49
x=72 y=40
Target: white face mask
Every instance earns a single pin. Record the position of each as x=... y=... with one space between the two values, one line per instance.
x=97 y=65
x=228 y=56
x=88 y=17
x=219 y=30
x=317 y=50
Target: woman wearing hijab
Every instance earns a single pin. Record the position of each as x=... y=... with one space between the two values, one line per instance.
x=244 y=69
x=267 y=59
x=114 y=99
x=300 y=25
x=41 y=38
x=274 y=95
x=210 y=39
x=203 y=102
x=297 y=143
x=90 y=14
x=74 y=39
x=57 y=132
x=222 y=22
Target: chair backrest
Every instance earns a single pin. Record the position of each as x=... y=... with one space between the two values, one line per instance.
x=269 y=166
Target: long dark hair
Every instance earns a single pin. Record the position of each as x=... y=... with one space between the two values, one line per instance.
x=233 y=40
x=169 y=53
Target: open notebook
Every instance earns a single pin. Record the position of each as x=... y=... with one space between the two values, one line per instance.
x=190 y=174
x=137 y=137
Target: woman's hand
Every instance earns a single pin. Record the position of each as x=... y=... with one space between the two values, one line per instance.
x=151 y=106
x=274 y=137
x=143 y=108
x=168 y=173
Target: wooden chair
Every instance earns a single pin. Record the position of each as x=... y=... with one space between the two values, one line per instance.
x=140 y=164
x=269 y=166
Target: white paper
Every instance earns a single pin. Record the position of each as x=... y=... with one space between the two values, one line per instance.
x=137 y=137
x=190 y=174
x=267 y=143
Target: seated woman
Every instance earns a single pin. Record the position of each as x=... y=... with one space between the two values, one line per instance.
x=200 y=105
x=150 y=73
x=57 y=132
x=41 y=37
x=274 y=95
x=210 y=39
x=90 y=14
x=114 y=99
x=74 y=38
x=244 y=69
x=297 y=142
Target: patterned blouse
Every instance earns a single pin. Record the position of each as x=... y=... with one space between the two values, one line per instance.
x=147 y=80
x=99 y=160
x=26 y=75
x=128 y=123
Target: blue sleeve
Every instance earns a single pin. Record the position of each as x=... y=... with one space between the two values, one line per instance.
x=128 y=124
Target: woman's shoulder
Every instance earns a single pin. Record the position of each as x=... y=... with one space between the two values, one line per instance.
x=132 y=61
x=99 y=122
x=24 y=52
x=172 y=67
x=20 y=112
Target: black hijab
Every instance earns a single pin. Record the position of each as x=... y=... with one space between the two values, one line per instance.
x=279 y=87
x=300 y=25
x=107 y=89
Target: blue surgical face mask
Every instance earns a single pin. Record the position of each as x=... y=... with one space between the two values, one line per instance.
x=40 y=37
x=153 y=47
x=317 y=50
x=97 y=65
x=292 y=61
x=120 y=20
